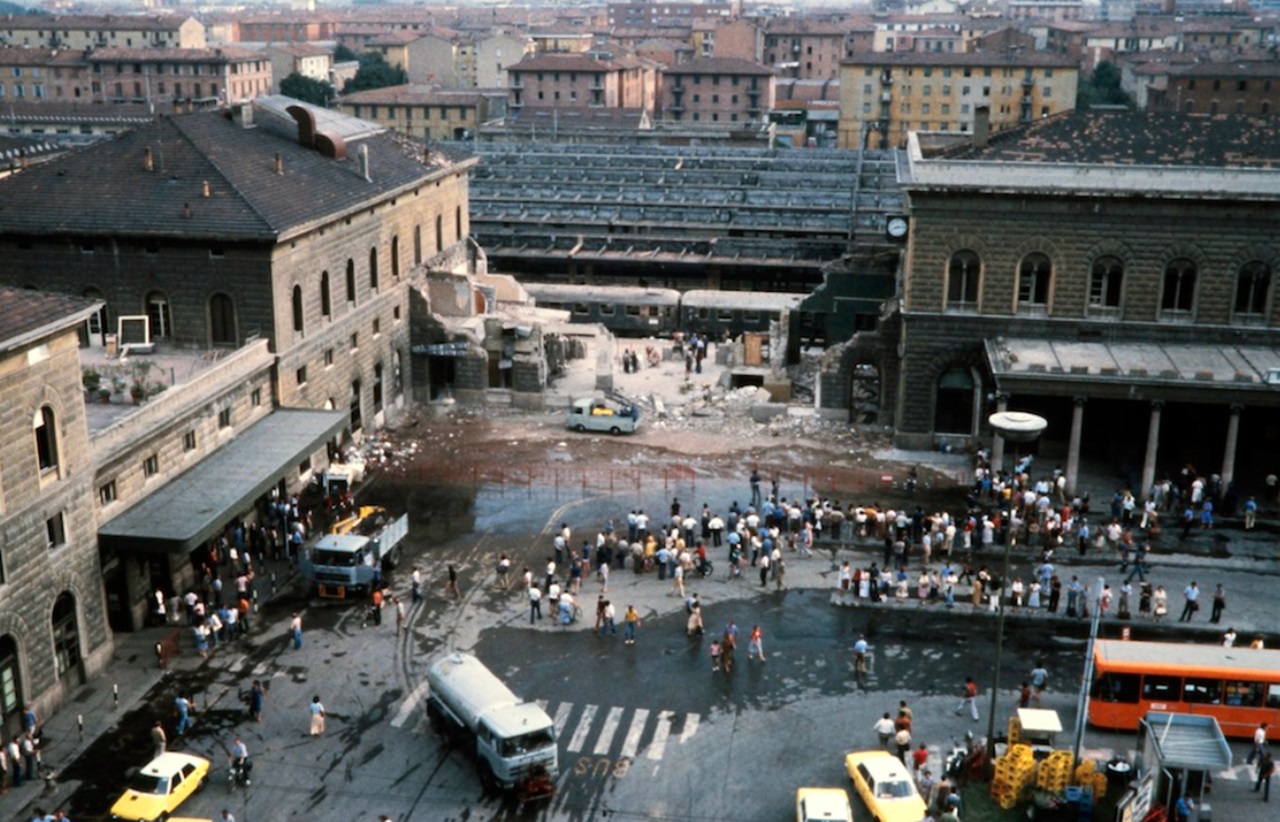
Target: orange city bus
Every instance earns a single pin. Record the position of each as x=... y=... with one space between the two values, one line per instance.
x=1240 y=687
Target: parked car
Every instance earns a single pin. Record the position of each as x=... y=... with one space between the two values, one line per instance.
x=823 y=805
x=885 y=786
x=162 y=785
x=591 y=414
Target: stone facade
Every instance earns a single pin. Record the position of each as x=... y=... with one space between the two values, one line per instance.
x=53 y=627
x=1191 y=256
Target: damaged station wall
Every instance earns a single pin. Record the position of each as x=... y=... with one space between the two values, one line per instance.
x=464 y=351
x=857 y=304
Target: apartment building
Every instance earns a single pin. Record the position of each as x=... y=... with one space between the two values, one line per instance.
x=306 y=59
x=885 y=96
x=805 y=49
x=717 y=90
x=421 y=112
x=167 y=77
x=597 y=80
x=102 y=31
x=1236 y=87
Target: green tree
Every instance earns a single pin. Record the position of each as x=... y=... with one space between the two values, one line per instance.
x=375 y=72
x=307 y=89
x=1103 y=88
x=342 y=54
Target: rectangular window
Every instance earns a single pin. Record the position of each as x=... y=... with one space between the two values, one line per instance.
x=55 y=531
x=1243 y=694
x=189 y=441
x=255 y=397
x=107 y=493
x=355 y=341
x=1202 y=691
x=151 y=466
x=304 y=467
x=377 y=326
x=328 y=358
x=224 y=418
x=1162 y=688
x=301 y=375
x=395 y=313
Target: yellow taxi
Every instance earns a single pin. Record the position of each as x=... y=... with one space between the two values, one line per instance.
x=823 y=805
x=160 y=787
x=885 y=786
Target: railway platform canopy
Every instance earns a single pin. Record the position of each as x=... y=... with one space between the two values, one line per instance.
x=681 y=206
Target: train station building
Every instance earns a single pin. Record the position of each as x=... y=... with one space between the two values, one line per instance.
x=1114 y=273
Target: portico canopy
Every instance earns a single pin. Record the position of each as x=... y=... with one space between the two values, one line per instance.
x=195 y=506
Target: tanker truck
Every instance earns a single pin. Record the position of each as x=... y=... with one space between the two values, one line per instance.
x=513 y=742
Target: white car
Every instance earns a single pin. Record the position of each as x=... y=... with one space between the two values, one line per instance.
x=590 y=414
x=823 y=805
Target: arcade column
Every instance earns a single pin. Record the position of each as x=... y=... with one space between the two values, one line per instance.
x=1153 y=446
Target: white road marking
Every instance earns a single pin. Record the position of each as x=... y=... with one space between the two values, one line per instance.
x=562 y=717
x=410 y=703
x=631 y=744
x=610 y=728
x=659 y=743
x=690 y=728
x=584 y=728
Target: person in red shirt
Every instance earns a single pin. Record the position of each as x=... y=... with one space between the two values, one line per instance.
x=920 y=756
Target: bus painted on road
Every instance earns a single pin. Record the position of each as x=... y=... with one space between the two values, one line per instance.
x=1240 y=687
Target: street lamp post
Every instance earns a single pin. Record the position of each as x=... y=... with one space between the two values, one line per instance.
x=1013 y=426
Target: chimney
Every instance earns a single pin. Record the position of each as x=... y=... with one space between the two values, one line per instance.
x=364 y=163
x=148 y=164
x=186 y=211
x=981 y=126
x=204 y=189
x=246 y=115
x=279 y=164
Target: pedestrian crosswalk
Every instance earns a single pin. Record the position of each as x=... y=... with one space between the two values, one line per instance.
x=624 y=733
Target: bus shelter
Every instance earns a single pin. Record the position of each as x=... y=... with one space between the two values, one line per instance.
x=1177 y=754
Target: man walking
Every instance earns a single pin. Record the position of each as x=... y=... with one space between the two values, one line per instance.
x=969 y=699
x=630 y=622
x=1191 y=594
x=1219 y=603
x=1266 y=767
x=1039 y=682
x=1259 y=743
x=535 y=604
x=158 y=739
x=295 y=629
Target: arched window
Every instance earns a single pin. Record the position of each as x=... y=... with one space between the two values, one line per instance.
x=1177 y=299
x=158 y=313
x=297 y=309
x=222 y=320
x=439 y=233
x=1105 y=280
x=1034 y=275
x=351 y=281
x=417 y=245
x=66 y=636
x=11 y=697
x=1253 y=291
x=45 y=426
x=326 y=303
x=395 y=258
x=964 y=274
x=373 y=269
x=953 y=412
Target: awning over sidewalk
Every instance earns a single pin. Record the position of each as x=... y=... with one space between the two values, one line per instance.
x=1207 y=372
x=195 y=506
x=1194 y=742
